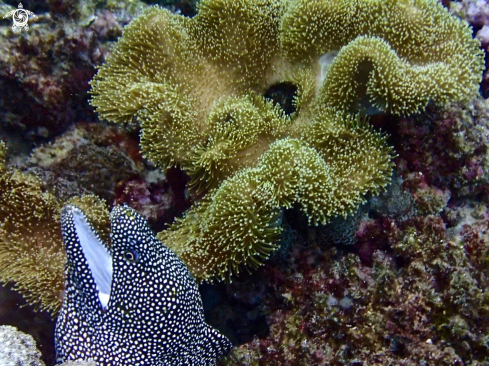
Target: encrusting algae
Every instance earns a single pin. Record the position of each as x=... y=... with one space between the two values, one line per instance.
x=260 y=102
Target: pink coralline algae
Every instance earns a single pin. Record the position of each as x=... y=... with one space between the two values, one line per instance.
x=421 y=301
x=476 y=12
x=447 y=149
x=159 y=202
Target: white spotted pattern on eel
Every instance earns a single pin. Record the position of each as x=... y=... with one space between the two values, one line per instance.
x=133 y=304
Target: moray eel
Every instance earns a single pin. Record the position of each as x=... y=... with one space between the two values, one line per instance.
x=134 y=303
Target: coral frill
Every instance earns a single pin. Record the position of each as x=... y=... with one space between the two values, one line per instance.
x=259 y=102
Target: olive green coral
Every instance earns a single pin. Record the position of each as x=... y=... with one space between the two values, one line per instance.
x=238 y=224
x=31 y=250
x=393 y=55
x=31 y=253
x=254 y=100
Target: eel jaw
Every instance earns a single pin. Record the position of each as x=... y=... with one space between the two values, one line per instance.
x=95 y=252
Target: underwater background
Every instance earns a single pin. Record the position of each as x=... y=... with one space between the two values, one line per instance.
x=401 y=280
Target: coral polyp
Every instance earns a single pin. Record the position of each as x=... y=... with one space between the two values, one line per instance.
x=31 y=255
x=31 y=251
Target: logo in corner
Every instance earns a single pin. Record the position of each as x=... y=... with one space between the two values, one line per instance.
x=20 y=17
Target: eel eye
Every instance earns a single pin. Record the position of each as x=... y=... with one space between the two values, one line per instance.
x=131 y=255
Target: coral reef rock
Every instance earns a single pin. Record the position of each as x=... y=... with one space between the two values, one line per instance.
x=17 y=348
x=44 y=72
x=422 y=301
x=449 y=148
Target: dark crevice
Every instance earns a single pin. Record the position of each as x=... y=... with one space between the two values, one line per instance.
x=283 y=94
